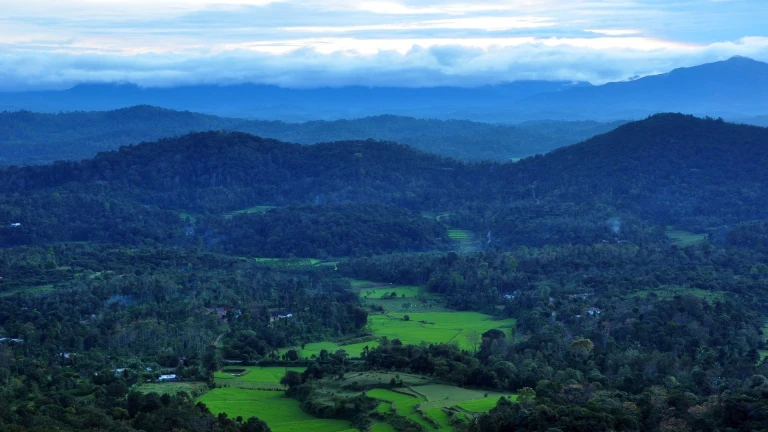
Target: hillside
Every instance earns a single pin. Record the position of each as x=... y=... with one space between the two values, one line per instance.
x=668 y=168
x=38 y=138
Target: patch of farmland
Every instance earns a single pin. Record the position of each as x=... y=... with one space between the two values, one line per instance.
x=685 y=238
x=435 y=327
x=253 y=377
x=446 y=396
x=281 y=414
x=481 y=405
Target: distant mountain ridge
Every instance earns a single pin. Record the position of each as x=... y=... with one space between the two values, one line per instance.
x=734 y=88
x=38 y=138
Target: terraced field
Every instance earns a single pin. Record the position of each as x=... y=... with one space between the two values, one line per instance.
x=435 y=406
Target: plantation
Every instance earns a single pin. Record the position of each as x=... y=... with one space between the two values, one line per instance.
x=282 y=414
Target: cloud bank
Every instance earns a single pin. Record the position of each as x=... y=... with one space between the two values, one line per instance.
x=374 y=43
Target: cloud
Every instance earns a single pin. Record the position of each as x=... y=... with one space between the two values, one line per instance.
x=420 y=65
x=300 y=43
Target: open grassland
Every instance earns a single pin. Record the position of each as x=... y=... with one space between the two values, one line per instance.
x=685 y=238
x=253 y=377
x=172 y=388
x=435 y=327
x=281 y=414
x=670 y=291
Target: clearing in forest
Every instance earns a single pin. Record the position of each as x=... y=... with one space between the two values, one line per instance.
x=685 y=238
x=253 y=377
x=429 y=327
x=282 y=414
x=436 y=327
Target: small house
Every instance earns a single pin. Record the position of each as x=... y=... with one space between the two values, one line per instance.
x=168 y=378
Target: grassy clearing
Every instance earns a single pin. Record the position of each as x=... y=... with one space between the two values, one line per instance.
x=670 y=291
x=403 y=403
x=480 y=405
x=253 y=377
x=314 y=348
x=377 y=379
x=280 y=413
x=459 y=234
x=383 y=427
x=172 y=388
x=399 y=291
x=418 y=418
x=188 y=216
x=441 y=417
x=435 y=327
x=446 y=396
x=42 y=289
x=384 y=408
x=249 y=210
x=685 y=238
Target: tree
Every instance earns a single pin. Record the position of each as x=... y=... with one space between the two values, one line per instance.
x=474 y=339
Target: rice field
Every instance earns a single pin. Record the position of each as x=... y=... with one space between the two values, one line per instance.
x=281 y=414
x=480 y=405
x=383 y=427
x=252 y=377
x=396 y=291
x=435 y=327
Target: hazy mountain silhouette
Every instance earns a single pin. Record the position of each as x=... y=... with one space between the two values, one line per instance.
x=38 y=138
x=738 y=86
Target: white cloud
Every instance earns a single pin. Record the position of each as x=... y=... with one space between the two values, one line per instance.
x=407 y=42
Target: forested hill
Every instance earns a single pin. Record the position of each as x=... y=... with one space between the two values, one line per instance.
x=37 y=138
x=220 y=171
x=668 y=168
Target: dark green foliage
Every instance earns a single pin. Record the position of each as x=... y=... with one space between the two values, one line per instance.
x=346 y=230
x=35 y=138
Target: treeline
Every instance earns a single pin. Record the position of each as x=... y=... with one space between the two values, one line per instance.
x=37 y=138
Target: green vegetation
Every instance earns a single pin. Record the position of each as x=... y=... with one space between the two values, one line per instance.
x=685 y=238
x=383 y=427
x=31 y=291
x=282 y=414
x=193 y=389
x=672 y=291
x=458 y=234
x=435 y=327
x=479 y=405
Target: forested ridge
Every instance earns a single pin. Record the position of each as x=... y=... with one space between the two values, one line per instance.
x=39 y=138
x=223 y=251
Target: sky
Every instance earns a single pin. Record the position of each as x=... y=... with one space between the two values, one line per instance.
x=53 y=44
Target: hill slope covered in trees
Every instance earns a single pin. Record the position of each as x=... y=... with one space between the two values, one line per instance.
x=37 y=138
